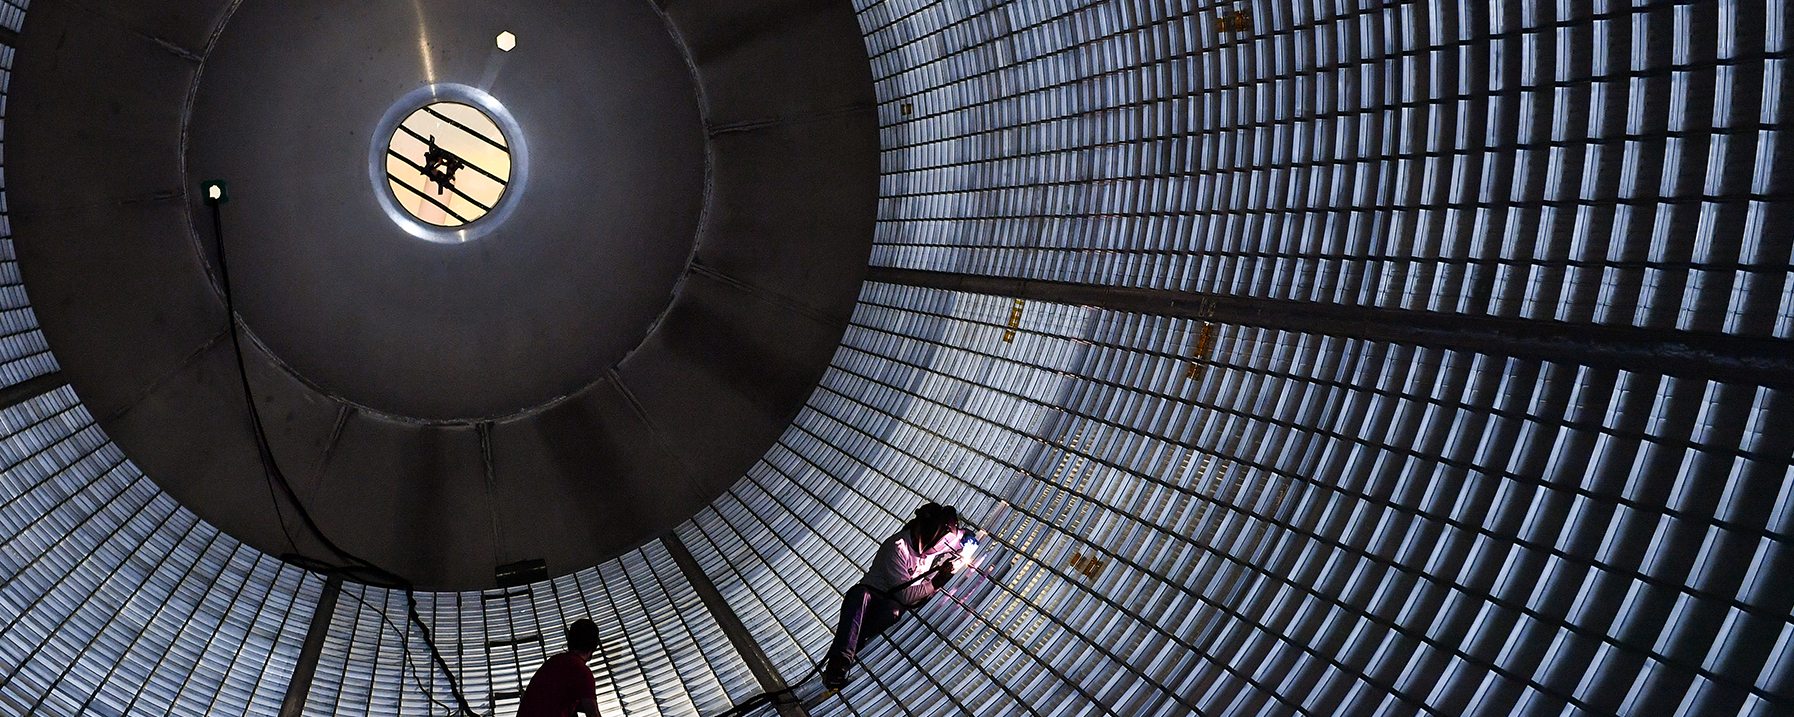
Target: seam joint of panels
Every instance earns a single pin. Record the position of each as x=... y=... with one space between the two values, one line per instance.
x=30 y=388
x=726 y=619
x=299 y=689
x=1723 y=357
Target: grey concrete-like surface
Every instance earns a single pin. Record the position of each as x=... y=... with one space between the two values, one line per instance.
x=604 y=363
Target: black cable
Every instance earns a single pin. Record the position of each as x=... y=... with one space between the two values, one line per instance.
x=277 y=479
x=405 y=648
x=255 y=420
x=765 y=698
x=891 y=594
x=411 y=603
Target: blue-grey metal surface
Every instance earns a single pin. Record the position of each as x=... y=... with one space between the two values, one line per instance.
x=1189 y=514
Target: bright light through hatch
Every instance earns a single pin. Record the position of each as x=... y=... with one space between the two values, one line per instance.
x=448 y=164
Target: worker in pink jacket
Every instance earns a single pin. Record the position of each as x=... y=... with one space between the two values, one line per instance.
x=926 y=546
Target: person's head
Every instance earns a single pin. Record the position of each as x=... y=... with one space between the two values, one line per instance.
x=582 y=636
x=933 y=521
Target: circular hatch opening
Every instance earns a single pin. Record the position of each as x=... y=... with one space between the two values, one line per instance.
x=448 y=163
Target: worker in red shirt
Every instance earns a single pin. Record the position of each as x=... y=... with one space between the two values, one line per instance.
x=564 y=685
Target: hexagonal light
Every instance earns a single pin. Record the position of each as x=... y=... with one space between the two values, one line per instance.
x=506 y=41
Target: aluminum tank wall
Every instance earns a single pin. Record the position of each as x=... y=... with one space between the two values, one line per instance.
x=660 y=652
x=1216 y=518
x=1262 y=521
x=1578 y=162
x=1310 y=525
x=114 y=599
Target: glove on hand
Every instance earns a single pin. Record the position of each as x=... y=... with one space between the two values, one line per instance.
x=942 y=576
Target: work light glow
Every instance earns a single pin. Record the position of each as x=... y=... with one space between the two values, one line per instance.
x=968 y=547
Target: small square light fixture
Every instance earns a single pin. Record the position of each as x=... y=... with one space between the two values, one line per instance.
x=506 y=41
x=214 y=192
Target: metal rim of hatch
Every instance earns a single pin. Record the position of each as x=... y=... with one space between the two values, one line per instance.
x=429 y=95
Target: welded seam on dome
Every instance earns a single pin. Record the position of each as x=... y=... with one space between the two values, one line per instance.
x=179 y=369
x=789 y=120
x=772 y=297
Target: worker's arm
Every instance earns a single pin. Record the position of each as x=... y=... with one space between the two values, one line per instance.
x=588 y=706
x=943 y=573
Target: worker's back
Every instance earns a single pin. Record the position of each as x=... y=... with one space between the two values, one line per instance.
x=563 y=685
x=558 y=688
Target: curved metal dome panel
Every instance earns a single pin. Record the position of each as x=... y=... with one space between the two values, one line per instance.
x=619 y=341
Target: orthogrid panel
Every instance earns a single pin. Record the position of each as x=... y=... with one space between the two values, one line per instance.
x=23 y=351
x=1578 y=161
x=12 y=14
x=1288 y=524
x=114 y=600
x=660 y=652
x=782 y=557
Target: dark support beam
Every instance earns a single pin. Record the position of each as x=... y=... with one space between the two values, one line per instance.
x=1722 y=357
x=30 y=388
x=744 y=643
x=300 y=686
x=8 y=36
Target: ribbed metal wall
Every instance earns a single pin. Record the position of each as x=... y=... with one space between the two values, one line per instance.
x=1222 y=519
x=114 y=600
x=1189 y=516
x=660 y=651
x=1575 y=161
x=1296 y=524
x=23 y=352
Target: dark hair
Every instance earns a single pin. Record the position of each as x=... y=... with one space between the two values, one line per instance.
x=582 y=636
x=932 y=522
x=937 y=514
